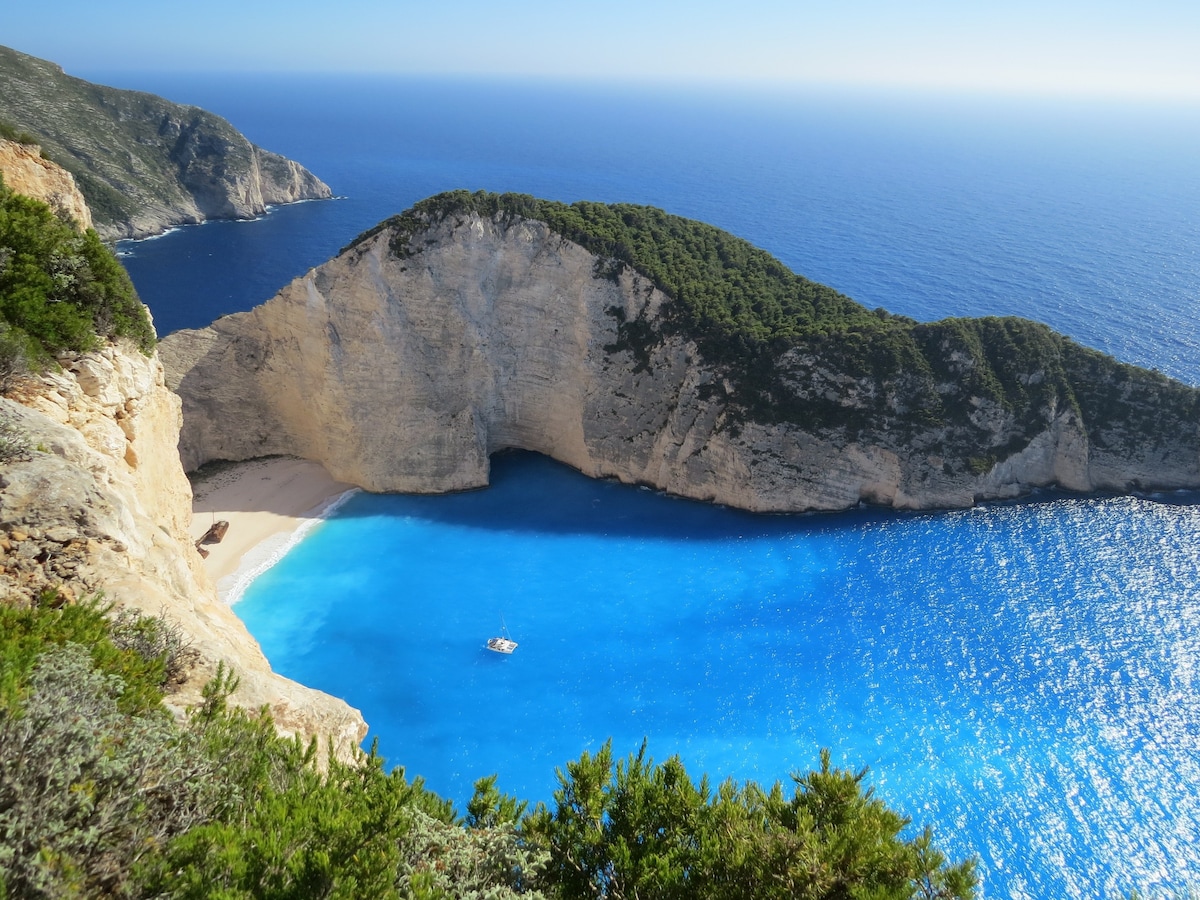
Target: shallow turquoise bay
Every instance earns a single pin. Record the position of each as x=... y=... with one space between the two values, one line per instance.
x=1025 y=677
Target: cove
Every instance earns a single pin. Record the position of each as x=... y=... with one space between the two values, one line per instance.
x=1022 y=676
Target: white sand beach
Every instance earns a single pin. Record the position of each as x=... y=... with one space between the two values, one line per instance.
x=268 y=504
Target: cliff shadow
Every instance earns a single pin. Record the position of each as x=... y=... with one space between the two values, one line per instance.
x=532 y=493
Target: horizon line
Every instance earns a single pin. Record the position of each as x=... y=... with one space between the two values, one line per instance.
x=739 y=84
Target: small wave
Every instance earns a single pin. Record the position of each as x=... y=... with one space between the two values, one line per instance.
x=142 y=240
x=243 y=578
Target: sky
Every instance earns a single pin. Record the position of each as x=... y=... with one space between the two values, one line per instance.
x=1099 y=48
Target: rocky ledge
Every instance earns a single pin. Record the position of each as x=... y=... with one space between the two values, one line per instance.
x=463 y=328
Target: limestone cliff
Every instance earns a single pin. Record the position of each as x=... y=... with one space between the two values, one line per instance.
x=444 y=337
x=27 y=172
x=100 y=503
x=145 y=164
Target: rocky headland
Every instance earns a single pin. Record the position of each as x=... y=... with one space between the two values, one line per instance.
x=143 y=163
x=473 y=324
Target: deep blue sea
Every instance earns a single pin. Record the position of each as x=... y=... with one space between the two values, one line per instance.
x=1025 y=677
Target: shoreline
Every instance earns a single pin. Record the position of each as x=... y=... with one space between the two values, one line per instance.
x=270 y=504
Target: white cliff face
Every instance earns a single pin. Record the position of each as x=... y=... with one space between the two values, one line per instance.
x=405 y=374
x=101 y=504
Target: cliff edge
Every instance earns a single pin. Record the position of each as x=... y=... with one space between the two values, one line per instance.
x=468 y=326
x=27 y=172
x=143 y=163
x=100 y=504
x=93 y=500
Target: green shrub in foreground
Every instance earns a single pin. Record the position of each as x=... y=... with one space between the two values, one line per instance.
x=86 y=789
x=27 y=633
x=636 y=829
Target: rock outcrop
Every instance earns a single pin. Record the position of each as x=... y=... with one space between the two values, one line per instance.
x=143 y=163
x=27 y=172
x=99 y=503
x=405 y=362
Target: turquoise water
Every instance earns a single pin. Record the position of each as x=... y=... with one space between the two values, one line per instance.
x=1023 y=676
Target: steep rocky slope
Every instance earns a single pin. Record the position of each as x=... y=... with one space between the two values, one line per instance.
x=463 y=328
x=27 y=172
x=144 y=163
x=93 y=500
x=99 y=503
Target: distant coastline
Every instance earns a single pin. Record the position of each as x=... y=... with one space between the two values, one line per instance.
x=145 y=163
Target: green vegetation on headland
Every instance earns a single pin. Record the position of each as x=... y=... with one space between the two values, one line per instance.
x=59 y=289
x=724 y=287
x=103 y=793
x=787 y=350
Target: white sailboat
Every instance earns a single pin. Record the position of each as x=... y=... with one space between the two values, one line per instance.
x=502 y=644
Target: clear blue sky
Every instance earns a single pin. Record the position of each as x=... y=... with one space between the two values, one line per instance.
x=1133 y=48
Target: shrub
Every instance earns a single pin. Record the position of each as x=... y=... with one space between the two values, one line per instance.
x=59 y=289
x=492 y=862
x=154 y=639
x=636 y=829
x=14 y=443
x=26 y=633
x=297 y=833
x=86 y=789
x=10 y=132
x=14 y=353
